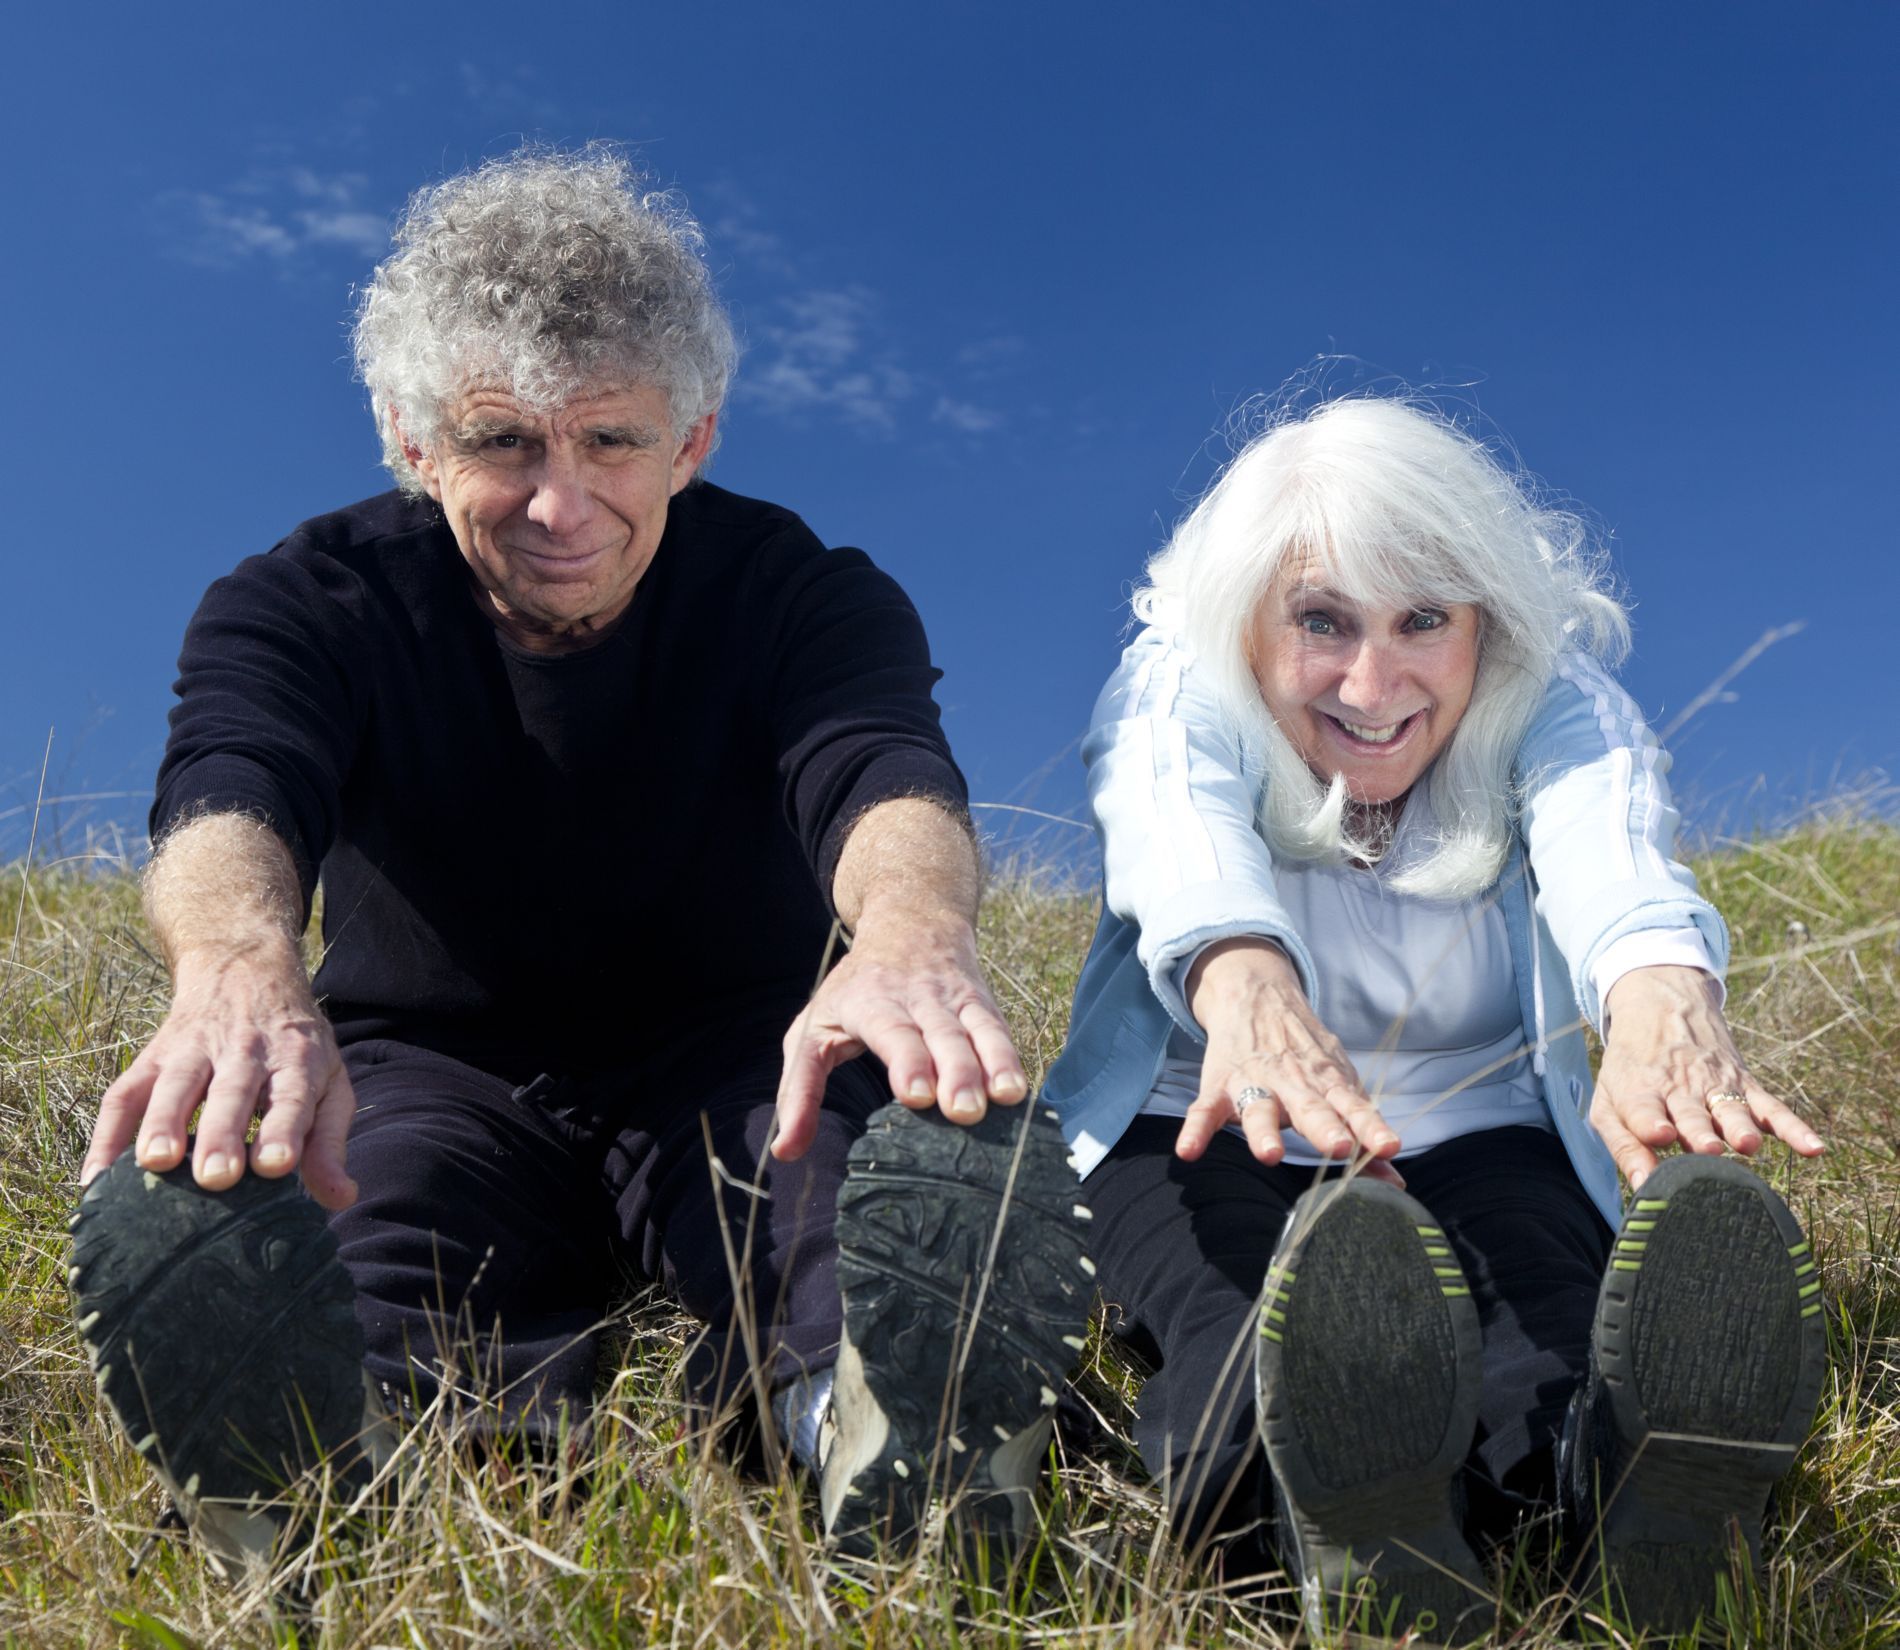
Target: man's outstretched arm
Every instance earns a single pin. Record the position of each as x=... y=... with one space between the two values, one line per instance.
x=244 y=1034
x=910 y=990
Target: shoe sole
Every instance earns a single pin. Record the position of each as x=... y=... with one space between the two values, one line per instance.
x=1367 y=1378
x=222 y=1332
x=966 y=1291
x=1711 y=1348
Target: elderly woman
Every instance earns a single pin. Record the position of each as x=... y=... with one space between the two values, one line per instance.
x=1380 y=836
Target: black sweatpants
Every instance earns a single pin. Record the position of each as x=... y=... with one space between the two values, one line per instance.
x=1182 y=1251
x=495 y=1224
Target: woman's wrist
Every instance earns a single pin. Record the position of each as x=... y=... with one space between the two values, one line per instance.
x=1231 y=970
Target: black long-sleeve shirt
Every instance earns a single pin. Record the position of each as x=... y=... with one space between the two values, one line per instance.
x=558 y=862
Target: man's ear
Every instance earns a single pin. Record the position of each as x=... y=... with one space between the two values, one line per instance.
x=692 y=451
x=421 y=460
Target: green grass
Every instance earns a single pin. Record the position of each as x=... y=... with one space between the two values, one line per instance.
x=663 y=1544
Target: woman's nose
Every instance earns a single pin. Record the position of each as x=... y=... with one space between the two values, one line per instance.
x=1372 y=679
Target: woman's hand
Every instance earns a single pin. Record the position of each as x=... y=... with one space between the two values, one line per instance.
x=1262 y=1033
x=1671 y=1074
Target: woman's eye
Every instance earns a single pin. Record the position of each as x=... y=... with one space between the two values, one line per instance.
x=1317 y=624
x=1430 y=618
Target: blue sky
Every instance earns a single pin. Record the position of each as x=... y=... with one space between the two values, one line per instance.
x=1004 y=275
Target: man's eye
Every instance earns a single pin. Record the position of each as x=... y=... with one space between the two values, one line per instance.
x=505 y=442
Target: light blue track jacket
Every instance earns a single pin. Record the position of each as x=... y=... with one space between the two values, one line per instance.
x=1184 y=866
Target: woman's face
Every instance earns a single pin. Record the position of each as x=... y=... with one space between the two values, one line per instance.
x=1370 y=692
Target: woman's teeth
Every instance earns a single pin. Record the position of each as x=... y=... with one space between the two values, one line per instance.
x=1373 y=736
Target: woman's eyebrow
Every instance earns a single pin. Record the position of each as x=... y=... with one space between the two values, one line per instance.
x=1318 y=593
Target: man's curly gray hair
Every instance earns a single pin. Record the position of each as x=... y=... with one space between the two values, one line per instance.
x=545 y=272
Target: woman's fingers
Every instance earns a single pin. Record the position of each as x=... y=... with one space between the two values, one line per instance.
x=1634 y=1160
x=1209 y=1114
x=1780 y=1120
x=1260 y=1120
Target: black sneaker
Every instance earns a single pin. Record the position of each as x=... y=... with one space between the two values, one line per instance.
x=1706 y=1362
x=966 y=1295
x=1367 y=1379
x=222 y=1330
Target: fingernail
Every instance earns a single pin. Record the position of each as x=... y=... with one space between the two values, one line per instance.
x=273 y=1156
x=1637 y=1179
x=967 y=1103
x=920 y=1089
x=160 y=1145
x=215 y=1166
x=1012 y=1085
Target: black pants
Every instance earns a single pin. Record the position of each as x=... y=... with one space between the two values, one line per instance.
x=495 y=1223
x=1182 y=1251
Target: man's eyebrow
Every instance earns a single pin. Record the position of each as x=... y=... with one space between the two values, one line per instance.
x=634 y=435
x=480 y=429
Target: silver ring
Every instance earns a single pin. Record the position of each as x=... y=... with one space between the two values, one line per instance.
x=1247 y=1096
x=1717 y=1096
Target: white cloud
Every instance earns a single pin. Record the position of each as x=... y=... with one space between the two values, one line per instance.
x=965 y=416
x=271 y=215
x=828 y=355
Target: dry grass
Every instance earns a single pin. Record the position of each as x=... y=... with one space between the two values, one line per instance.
x=662 y=1544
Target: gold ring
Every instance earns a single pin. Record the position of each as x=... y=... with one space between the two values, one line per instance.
x=1718 y=1096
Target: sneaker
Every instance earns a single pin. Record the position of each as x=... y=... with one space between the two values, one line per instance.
x=966 y=1294
x=1706 y=1362
x=1367 y=1378
x=222 y=1331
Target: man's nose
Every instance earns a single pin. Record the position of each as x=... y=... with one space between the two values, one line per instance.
x=561 y=502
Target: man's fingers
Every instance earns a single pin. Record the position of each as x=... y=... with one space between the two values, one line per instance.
x=120 y=1110
x=906 y=1056
x=217 y=1158
x=325 y=1171
x=1002 y=1066
x=176 y=1091
x=289 y=1111
x=962 y=1084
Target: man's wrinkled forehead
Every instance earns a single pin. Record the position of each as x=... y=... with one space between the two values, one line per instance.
x=632 y=411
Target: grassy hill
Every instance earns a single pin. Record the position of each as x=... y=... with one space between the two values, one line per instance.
x=647 y=1538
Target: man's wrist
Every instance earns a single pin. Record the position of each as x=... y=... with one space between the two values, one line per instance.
x=271 y=955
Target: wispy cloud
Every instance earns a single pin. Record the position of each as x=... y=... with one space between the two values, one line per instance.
x=827 y=351
x=274 y=215
x=965 y=416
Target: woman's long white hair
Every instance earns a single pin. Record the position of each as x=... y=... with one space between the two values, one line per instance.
x=1395 y=504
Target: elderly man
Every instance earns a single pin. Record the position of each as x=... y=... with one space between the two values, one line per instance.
x=587 y=754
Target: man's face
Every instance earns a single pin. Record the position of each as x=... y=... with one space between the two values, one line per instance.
x=558 y=514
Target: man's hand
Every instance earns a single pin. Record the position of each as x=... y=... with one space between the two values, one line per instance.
x=244 y=1034
x=911 y=990
x=1262 y=1033
x=1671 y=1074
x=916 y=999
